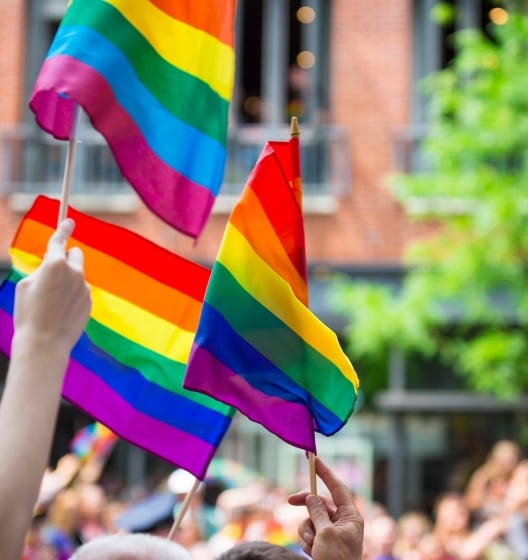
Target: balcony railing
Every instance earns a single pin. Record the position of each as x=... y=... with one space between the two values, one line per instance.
x=33 y=162
x=407 y=150
x=409 y=157
x=325 y=157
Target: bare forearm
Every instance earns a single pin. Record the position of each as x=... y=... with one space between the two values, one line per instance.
x=475 y=545
x=35 y=376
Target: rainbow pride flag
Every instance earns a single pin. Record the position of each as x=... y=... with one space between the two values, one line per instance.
x=126 y=370
x=155 y=78
x=258 y=347
x=93 y=442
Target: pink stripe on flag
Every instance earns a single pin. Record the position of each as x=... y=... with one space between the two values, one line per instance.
x=81 y=386
x=181 y=203
x=288 y=420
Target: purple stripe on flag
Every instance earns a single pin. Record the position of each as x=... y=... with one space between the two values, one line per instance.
x=81 y=386
x=6 y=332
x=288 y=420
x=185 y=205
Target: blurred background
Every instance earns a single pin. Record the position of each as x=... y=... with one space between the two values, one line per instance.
x=414 y=212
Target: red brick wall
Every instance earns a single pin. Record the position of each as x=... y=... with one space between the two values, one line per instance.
x=11 y=59
x=11 y=64
x=370 y=81
x=370 y=92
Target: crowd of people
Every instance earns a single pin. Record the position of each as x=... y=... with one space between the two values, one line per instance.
x=487 y=520
x=69 y=513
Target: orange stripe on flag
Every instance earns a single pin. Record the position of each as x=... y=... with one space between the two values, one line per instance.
x=215 y=18
x=118 y=278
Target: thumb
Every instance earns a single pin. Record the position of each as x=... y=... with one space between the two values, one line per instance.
x=318 y=513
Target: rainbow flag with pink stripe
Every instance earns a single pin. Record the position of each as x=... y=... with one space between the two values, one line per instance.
x=126 y=371
x=155 y=77
x=258 y=347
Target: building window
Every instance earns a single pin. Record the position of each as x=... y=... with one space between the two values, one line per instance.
x=433 y=26
x=282 y=52
x=282 y=61
x=432 y=37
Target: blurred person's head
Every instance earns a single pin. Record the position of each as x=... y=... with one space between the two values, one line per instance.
x=241 y=505
x=411 y=527
x=131 y=547
x=430 y=548
x=63 y=512
x=451 y=514
x=505 y=455
x=258 y=551
x=380 y=536
x=92 y=501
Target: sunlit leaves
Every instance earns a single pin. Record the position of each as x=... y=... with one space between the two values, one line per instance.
x=465 y=297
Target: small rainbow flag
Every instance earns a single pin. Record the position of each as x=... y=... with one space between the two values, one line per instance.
x=126 y=370
x=155 y=78
x=94 y=441
x=258 y=347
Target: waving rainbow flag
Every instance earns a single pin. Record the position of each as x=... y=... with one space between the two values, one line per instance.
x=258 y=347
x=126 y=370
x=155 y=78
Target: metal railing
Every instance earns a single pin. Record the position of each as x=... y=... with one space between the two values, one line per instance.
x=408 y=156
x=325 y=157
x=32 y=161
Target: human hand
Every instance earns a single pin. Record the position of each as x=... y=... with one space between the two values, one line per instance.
x=56 y=480
x=53 y=303
x=335 y=526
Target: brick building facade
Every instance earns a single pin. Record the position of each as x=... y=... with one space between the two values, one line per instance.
x=370 y=90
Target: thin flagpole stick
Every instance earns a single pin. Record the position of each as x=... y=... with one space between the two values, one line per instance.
x=68 y=167
x=296 y=184
x=183 y=509
x=295 y=133
x=313 y=477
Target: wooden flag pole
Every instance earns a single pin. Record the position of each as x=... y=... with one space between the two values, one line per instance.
x=294 y=128
x=295 y=133
x=68 y=167
x=313 y=476
x=183 y=509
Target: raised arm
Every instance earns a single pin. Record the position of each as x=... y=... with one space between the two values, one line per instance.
x=51 y=309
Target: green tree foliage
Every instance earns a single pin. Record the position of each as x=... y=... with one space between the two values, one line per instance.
x=465 y=297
